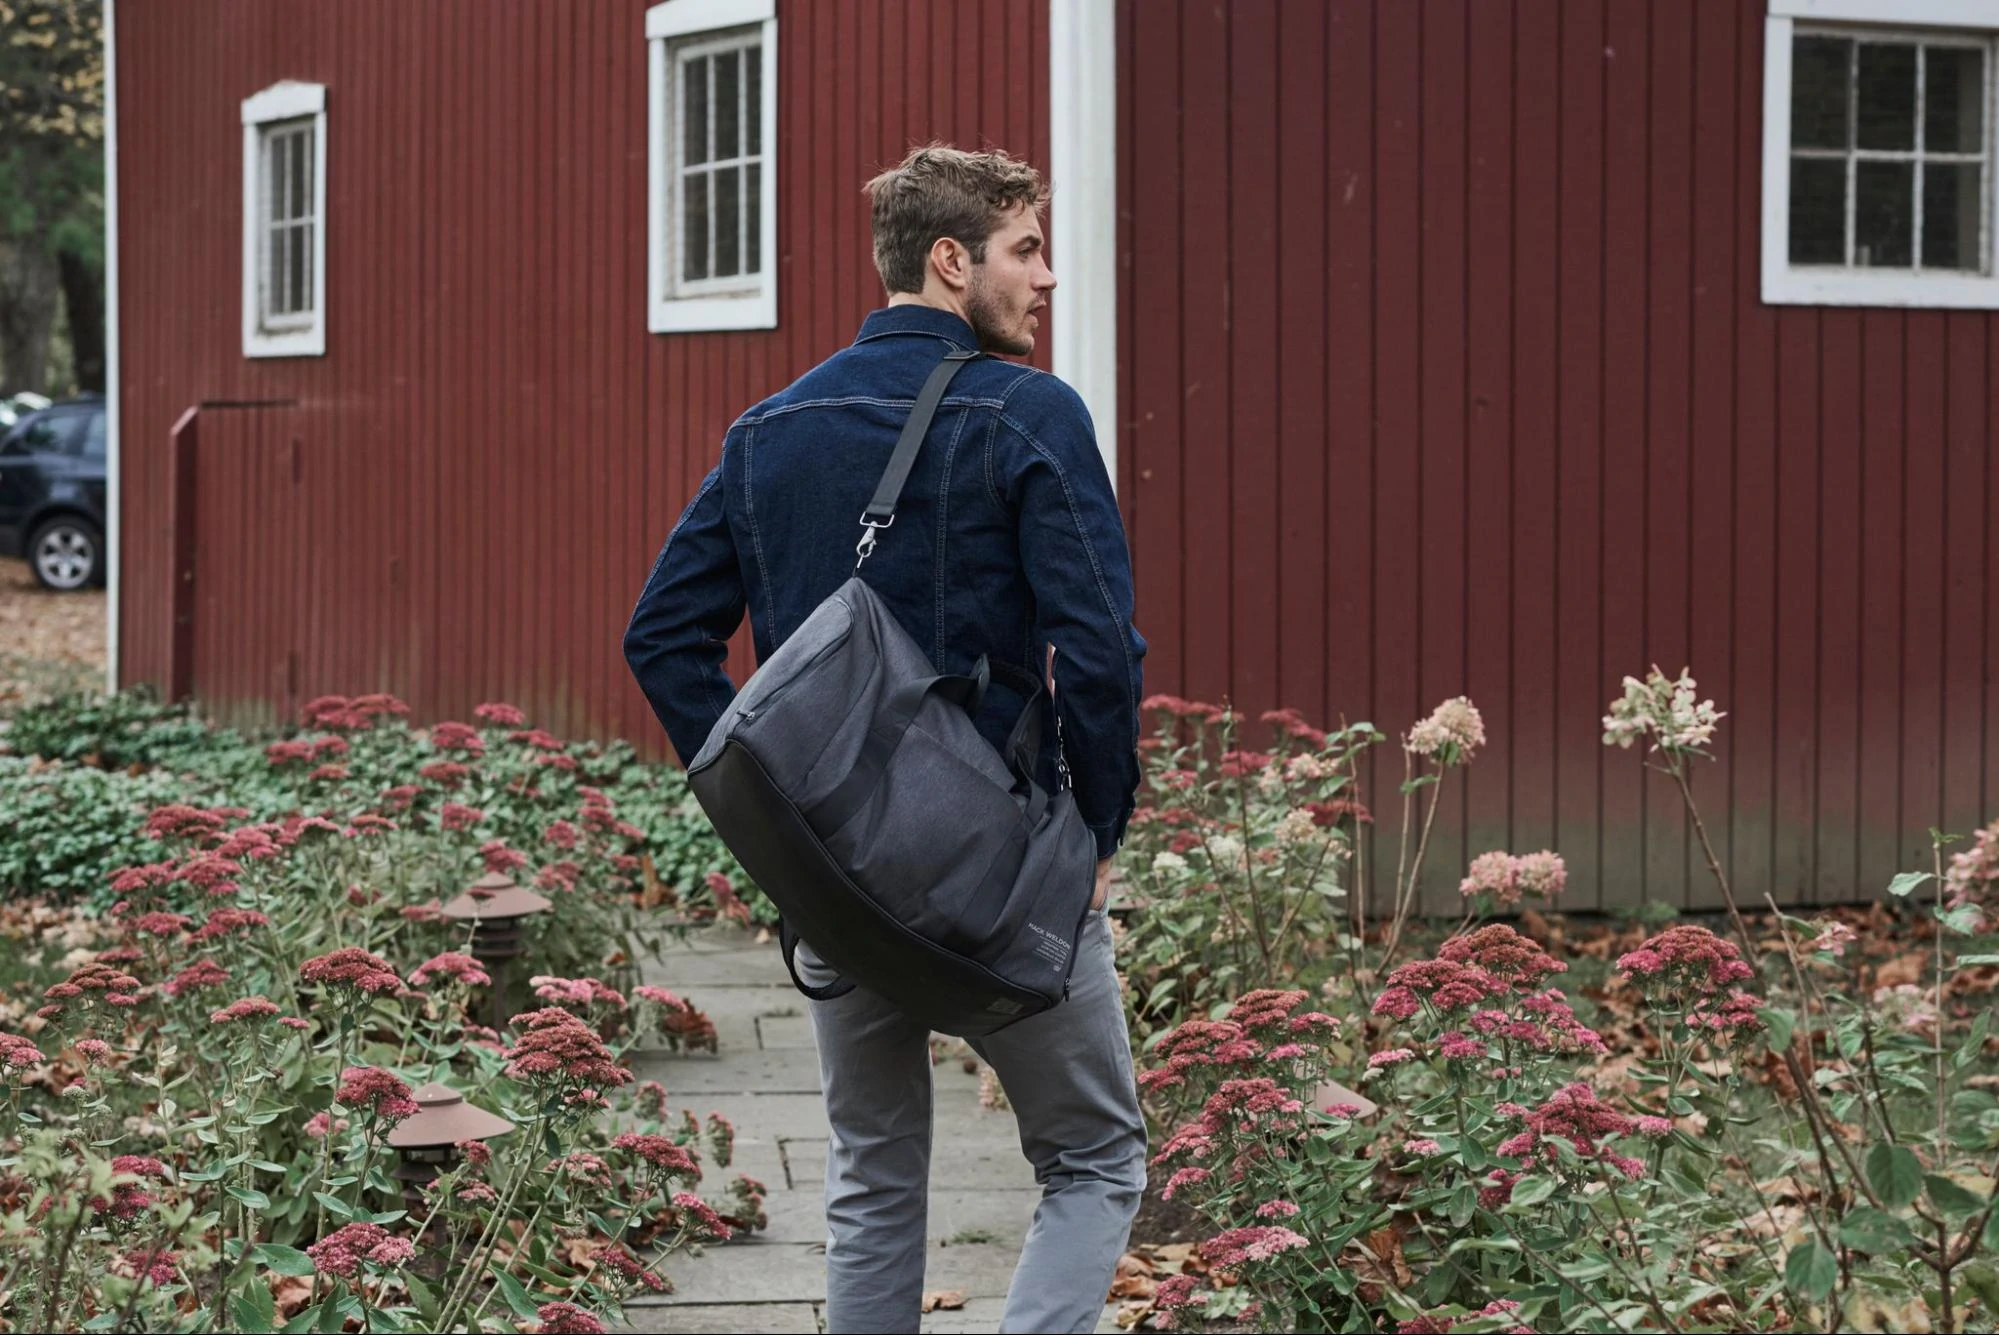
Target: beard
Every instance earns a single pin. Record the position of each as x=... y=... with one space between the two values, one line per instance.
x=998 y=329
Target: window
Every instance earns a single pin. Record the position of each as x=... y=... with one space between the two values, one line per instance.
x=712 y=232
x=57 y=432
x=1878 y=170
x=284 y=234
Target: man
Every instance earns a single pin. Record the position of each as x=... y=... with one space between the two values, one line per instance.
x=1007 y=543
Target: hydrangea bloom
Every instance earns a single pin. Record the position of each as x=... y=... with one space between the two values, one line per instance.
x=1663 y=709
x=1452 y=733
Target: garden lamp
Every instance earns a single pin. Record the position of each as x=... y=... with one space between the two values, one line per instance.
x=494 y=906
x=426 y=1144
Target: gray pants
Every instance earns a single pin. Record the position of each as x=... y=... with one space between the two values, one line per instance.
x=1067 y=1074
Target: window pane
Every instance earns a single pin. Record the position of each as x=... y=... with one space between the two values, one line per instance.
x=305 y=172
x=298 y=271
x=753 y=219
x=301 y=176
x=1953 y=100
x=93 y=437
x=1887 y=96
x=1952 y=192
x=694 y=226
x=753 y=97
x=694 y=111
x=1820 y=73
x=1818 y=211
x=274 y=279
x=274 y=173
x=728 y=222
x=728 y=91
x=1884 y=215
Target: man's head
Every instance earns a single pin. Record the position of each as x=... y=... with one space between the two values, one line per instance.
x=962 y=231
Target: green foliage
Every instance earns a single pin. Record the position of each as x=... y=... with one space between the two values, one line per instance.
x=115 y=731
x=68 y=827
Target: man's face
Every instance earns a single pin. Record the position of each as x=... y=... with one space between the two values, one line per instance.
x=1010 y=288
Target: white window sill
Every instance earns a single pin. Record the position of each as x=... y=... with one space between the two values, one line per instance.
x=291 y=343
x=1807 y=287
x=687 y=315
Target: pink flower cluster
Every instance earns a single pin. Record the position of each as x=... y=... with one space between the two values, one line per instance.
x=662 y=1156
x=458 y=816
x=1506 y=877
x=342 y=1251
x=1577 y=1115
x=339 y=713
x=198 y=976
x=377 y=1092
x=245 y=1008
x=354 y=971
x=684 y=1025
x=17 y=1053
x=565 y=1318
x=1265 y=1016
x=301 y=751
x=500 y=715
x=457 y=737
x=629 y=1269
x=1242 y=1246
x=93 y=982
x=701 y=1217
x=1693 y=971
x=1973 y=874
x=555 y=1047
x=453 y=965
x=583 y=992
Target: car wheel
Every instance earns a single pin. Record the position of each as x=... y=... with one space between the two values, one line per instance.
x=66 y=553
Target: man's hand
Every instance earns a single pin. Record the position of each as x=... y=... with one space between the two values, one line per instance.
x=1103 y=883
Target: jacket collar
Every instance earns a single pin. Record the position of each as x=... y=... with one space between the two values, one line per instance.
x=917 y=319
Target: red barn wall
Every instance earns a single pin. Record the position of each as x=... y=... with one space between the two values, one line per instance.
x=461 y=499
x=1445 y=371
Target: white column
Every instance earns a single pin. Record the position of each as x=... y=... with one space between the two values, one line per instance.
x=1083 y=151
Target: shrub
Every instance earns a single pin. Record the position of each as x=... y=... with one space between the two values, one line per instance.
x=199 y=1113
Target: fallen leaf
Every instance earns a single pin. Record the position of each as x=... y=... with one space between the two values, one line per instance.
x=289 y=1293
x=1901 y=970
x=1134 y=1278
x=944 y=1300
x=1131 y=1313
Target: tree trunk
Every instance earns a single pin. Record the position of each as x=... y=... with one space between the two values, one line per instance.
x=83 y=298
x=30 y=286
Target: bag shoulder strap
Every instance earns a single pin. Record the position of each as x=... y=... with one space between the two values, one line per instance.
x=881 y=510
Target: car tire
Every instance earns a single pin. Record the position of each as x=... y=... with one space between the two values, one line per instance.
x=66 y=553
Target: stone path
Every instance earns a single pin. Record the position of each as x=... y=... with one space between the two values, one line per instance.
x=766 y=1080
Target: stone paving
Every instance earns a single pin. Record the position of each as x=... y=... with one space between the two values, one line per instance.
x=766 y=1080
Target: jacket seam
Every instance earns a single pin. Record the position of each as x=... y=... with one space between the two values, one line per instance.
x=846 y=401
x=1096 y=568
x=708 y=484
x=943 y=531
x=756 y=533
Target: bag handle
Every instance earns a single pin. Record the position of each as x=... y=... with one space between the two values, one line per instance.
x=787 y=941
x=881 y=510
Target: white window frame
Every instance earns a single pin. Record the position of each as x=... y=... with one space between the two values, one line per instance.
x=749 y=302
x=1813 y=285
x=304 y=335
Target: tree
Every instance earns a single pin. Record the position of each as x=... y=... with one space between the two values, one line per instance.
x=51 y=187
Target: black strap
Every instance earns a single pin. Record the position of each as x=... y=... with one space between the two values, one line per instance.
x=787 y=941
x=882 y=507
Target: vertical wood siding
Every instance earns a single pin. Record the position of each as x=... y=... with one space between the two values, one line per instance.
x=461 y=500
x=1445 y=371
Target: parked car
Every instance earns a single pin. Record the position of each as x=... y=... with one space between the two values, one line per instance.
x=52 y=493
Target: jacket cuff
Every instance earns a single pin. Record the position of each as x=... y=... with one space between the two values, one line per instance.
x=1108 y=836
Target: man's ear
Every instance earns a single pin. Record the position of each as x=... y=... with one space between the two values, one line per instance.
x=951 y=262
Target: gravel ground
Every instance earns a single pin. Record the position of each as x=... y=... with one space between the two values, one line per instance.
x=49 y=642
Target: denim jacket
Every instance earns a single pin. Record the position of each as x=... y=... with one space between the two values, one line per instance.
x=1007 y=540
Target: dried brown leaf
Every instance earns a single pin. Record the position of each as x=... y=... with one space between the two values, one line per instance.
x=944 y=1300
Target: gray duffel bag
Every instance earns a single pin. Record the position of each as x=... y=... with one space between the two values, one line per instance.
x=849 y=780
